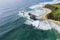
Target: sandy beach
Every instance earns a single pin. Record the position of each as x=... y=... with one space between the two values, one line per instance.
x=45 y=15
x=56 y=22
x=49 y=11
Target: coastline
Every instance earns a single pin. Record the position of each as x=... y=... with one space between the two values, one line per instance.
x=49 y=10
x=44 y=17
x=45 y=3
x=56 y=22
x=42 y=5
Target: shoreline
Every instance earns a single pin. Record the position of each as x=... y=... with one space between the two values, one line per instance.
x=49 y=10
x=44 y=17
x=43 y=4
x=56 y=22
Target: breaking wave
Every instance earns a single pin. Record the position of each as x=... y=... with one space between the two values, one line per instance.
x=39 y=24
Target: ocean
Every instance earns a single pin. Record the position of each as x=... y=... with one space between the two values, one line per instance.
x=12 y=26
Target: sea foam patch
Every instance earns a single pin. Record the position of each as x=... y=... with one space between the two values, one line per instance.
x=43 y=25
x=55 y=26
x=39 y=24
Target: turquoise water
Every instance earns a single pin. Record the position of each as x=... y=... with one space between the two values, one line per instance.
x=12 y=27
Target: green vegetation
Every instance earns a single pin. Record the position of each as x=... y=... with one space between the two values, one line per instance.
x=55 y=15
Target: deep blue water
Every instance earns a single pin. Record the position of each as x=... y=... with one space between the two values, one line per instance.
x=12 y=27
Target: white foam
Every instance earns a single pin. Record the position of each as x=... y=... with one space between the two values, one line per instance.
x=43 y=4
x=37 y=12
x=43 y=25
x=57 y=39
x=55 y=26
x=31 y=22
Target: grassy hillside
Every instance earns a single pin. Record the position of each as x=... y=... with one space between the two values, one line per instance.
x=56 y=13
